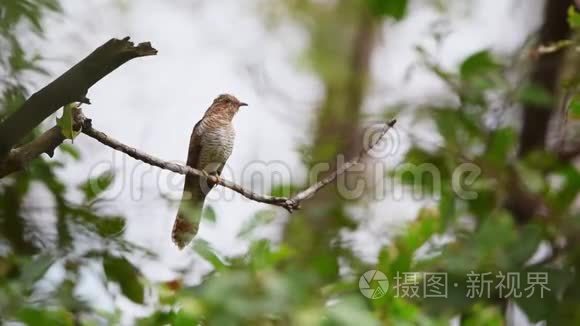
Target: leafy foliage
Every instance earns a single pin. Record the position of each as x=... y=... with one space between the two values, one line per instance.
x=127 y=276
x=573 y=17
x=30 y=250
x=393 y=8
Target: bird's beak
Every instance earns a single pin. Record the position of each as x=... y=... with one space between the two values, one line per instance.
x=243 y=104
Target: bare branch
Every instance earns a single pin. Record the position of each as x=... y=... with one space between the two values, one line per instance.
x=72 y=86
x=289 y=204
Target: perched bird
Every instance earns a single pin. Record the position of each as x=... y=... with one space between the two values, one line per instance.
x=210 y=146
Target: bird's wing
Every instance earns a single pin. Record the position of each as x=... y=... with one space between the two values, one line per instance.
x=192 y=185
x=189 y=215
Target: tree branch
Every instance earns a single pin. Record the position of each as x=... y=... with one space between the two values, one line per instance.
x=545 y=74
x=569 y=154
x=72 y=86
x=289 y=203
x=18 y=158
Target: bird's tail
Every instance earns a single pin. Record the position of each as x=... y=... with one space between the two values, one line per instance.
x=186 y=226
x=183 y=231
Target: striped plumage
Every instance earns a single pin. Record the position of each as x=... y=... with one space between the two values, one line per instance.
x=210 y=146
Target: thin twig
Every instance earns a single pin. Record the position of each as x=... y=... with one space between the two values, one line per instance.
x=564 y=107
x=310 y=191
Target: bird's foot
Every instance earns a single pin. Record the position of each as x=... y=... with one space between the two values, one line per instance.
x=211 y=175
x=217 y=178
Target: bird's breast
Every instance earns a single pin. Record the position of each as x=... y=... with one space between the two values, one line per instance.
x=216 y=145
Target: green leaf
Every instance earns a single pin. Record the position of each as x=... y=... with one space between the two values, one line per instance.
x=501 y=144
x=205 y=250
x=478 y=64
x=391 y=8
x=157 y=318
x=529 y=239
x=209 y=213
x=260 y=254
x=12 y=98
x=447 y=207
x=105 y=226
x=535 y=95
x=532 y=179
x=350 y=310
x=567 y=193
x=261 y=218
x=35 y=316
x=539 y=307
x=481 y=314
x=127 y=276
x=574 y=107
x=573 y=17
x=423 y=170
x=110 y=227
x=34 y=270
x=66 y=122
x=181 y=318
x=93 y=187
x=71 y=151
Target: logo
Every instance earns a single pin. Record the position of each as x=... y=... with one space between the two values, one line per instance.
x=373 y=284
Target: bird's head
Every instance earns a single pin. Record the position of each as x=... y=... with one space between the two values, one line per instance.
x=225 y=104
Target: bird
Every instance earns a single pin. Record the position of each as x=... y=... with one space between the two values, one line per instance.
x=210 y=145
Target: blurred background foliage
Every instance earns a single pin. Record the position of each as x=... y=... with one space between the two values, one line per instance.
x=526 y=200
